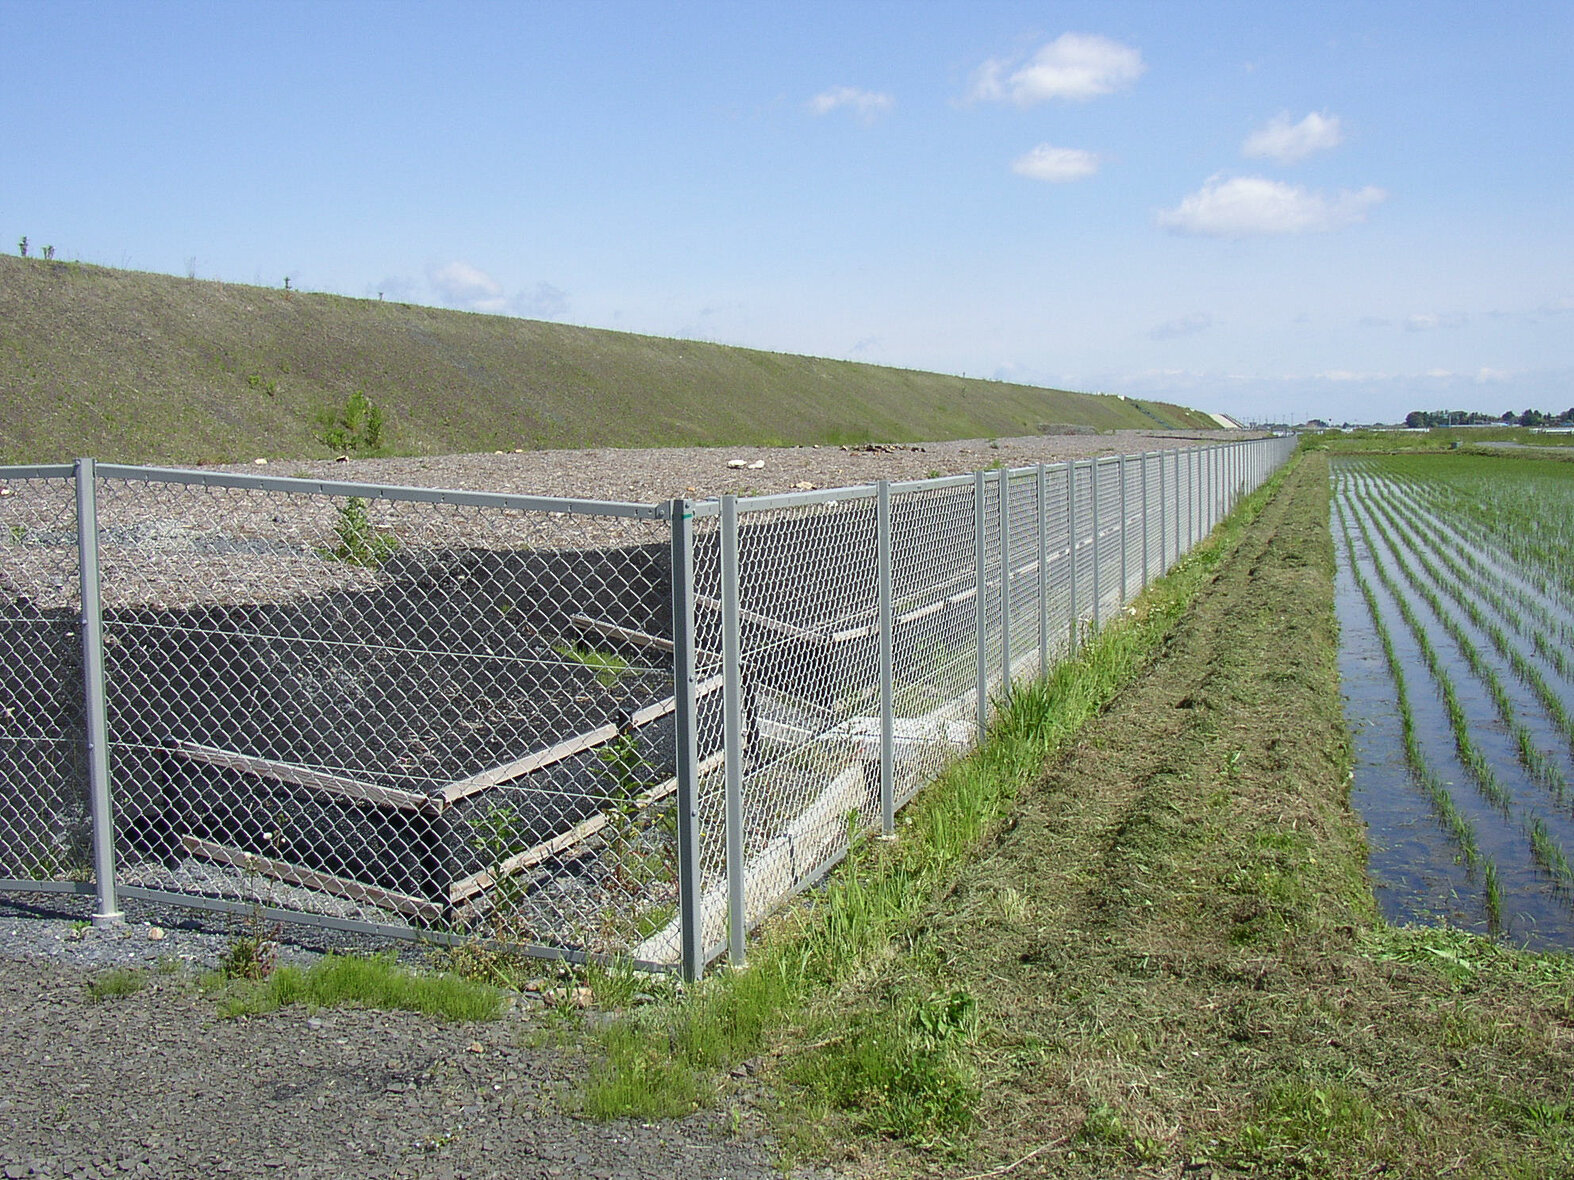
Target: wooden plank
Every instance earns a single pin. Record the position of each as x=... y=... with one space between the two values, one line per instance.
x=469 y=886
x=623 y=634
x=301 y=776
x=540 y=759
x=765 y=622
x=282 y=870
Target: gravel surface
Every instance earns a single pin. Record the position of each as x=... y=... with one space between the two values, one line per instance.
x=155 y=1084
x=650 y=475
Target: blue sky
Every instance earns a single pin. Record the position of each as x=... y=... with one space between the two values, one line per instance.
x=1271 y=209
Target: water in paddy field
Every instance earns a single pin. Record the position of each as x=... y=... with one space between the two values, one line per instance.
x=1417 y=871
x=1414 y=868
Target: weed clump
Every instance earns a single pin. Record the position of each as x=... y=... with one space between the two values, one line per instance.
x=357 y=428
x=360 y=543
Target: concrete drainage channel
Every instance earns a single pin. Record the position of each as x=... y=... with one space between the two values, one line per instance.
x=584 y=727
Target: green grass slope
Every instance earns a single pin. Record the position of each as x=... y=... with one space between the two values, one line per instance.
x=136 y=367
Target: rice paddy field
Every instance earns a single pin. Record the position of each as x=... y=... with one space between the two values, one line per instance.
x=1456 y=604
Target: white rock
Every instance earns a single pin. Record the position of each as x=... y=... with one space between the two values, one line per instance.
x=260 y=462
x=737 y=462
x=757 y=464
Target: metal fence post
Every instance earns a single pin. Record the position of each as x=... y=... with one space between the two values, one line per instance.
x=1071 y=548
x=108 y=911
x=732 y=731
x=686 y=760
x=887 y=662
x=1005 y=580
x=1164 y=512
x=980 y=611
x=1146 y=521
x=1191 y=498
x=1097 y=546
x=1125 y=536
x=1043 y=573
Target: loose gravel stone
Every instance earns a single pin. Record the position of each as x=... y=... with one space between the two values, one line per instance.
x=154 y=1084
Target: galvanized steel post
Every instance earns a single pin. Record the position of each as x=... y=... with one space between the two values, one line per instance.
x=1097 y=588
x=887 y=661
x=686 y=760
x=1043 y=573
x=732 y=731
x=1125 y=573
x=1071 y=547
x=1005 y=580
x=980 y=603
x=1146 y=521
x=108 y=911
x=1164 y=512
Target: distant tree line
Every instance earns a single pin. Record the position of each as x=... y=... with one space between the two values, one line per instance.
x=1417 y=419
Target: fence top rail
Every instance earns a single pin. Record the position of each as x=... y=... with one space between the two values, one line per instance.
x=39 y=471
x=273 y=483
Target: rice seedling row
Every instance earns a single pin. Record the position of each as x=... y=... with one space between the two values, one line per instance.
x=1458 y=826
x=1534 y=760
x=1548 y=634
x=1458 y=584
x=1473 y=557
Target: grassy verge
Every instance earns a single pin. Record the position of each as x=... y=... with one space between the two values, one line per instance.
x=667 y=1058
x=1169 y=961
x=367 y=981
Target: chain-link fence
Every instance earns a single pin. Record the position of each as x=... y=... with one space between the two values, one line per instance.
x=580 y=727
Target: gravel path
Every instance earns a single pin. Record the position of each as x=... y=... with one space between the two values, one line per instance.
x=155 y=1084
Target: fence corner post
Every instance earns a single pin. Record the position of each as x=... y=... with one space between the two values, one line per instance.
x=883 y=539
x=101 y=805
x=686 y=755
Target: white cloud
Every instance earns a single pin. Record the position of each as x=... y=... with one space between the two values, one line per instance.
x=1251 y=206
x=1186 y=325
x=1288 y=142
x=1074 y=66
x=545 y=302
x=1055 y=164
x=459 y=284
x=866 y=104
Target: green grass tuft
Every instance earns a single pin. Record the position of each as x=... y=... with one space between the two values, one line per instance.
x=117 y=981
x=366 y=981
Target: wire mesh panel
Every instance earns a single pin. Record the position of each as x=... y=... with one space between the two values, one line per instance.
x=935 y=641
x=416 y=710
x=405 y=712
x=1024 y=570
x=1084 y=548
x=809 y=679
x=1059 y=538
x=45 y=827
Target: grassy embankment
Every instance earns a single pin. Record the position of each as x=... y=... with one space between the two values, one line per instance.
x=1163 y=952
x=130 y=366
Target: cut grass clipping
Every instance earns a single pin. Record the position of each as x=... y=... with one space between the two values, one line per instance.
x=910 y=1075
x=366 y=981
